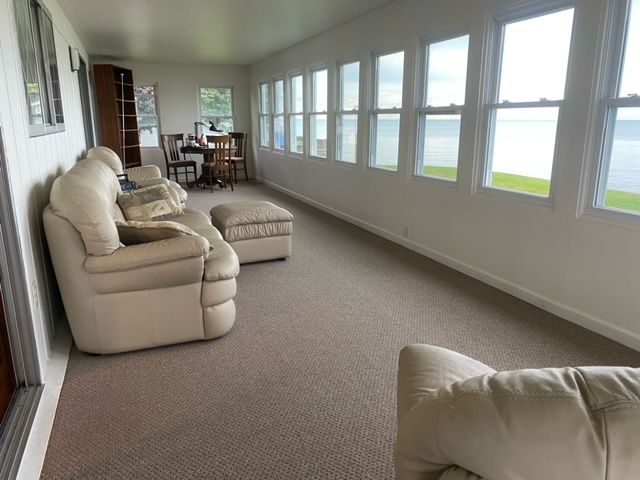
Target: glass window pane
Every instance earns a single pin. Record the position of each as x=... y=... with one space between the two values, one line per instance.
x=319 y=135
x=319 y=100
x=447 y=72
x=265 y=106
x=386 y=141
x=265 y=131
x=29 y=64
x=631 y=72
x=389 y=77
x=145 y=100
x=440 y=146
x=622 y=189
x=523 y=148
x=349 y=86
x=216 y=102
x=297 y=95
x=297 y=134
x=535 y=56
x=278 y=132
x=148 y=127
x=279 y=96
x=346 y=137
x=52 y=65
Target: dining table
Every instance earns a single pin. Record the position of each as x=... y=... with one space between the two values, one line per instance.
x=207 y=153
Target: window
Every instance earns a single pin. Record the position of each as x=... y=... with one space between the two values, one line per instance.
x=529 y=71
x=347 y=114
x=618 y=181
x=440 y=115
x=216 y=105
x=296 y=114
x=39 y=68
x=265 y=111
x=318 y=114
x=147 y=111
x=279 y=141
x=386 y=113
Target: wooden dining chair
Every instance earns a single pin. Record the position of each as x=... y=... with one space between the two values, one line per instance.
x=239 y=153
x=218 y=162
x=171 y=145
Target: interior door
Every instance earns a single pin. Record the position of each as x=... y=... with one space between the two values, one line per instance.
x=7 y=374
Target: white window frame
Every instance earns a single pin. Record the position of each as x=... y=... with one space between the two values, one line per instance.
x=339 y=111
x=282 y=114
x=311 y=112
x=290 y=113
x=374 y=111
x=423 y=110
x=154 y=86
x=489 y=98
x=216 y=118
x=265 y=116
x=605 y=100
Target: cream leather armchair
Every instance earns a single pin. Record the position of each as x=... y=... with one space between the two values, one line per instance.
x=119 y=298
x=458 y=419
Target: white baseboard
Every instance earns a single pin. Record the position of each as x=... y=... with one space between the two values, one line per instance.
x=598 y=325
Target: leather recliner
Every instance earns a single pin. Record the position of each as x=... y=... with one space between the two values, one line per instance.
x=459 y=419
x=119 y=298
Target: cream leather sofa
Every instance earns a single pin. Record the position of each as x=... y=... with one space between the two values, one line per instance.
x=119 y=298
x=461 y=420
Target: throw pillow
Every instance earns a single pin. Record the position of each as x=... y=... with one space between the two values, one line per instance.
x=133 y=233
x=149 y=203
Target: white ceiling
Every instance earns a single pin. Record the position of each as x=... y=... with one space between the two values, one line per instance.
x=204 y=31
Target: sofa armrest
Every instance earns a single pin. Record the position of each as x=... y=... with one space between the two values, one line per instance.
x=146 y=254
x=145 y=172
x=222 y=263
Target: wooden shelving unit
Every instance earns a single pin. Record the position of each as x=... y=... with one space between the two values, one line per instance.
x=117 y=112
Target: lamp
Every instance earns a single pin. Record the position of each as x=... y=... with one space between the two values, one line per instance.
x=211 y=125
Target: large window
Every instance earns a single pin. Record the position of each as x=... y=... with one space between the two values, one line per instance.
x=440 y=114
x=386 y=112
x=347 y=112
x=265 y=112
x=528 y=72
x=279 y=142
x=318 y=114
x=147 y=111
x=618 y=182
x=39 y=67
x=296 y=114
x=216 y=105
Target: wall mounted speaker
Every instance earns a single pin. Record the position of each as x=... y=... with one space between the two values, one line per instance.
x=74 y=55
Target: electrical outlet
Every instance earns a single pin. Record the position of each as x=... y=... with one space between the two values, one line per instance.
x=405 y=231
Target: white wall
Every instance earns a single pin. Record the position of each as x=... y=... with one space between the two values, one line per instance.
x=33 y=163
x=583 y=269
x=177 y=89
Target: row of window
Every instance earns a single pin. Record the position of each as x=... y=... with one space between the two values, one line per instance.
x=215 y=105
x=523 y=94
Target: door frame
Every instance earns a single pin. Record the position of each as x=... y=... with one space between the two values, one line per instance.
x=16 y=426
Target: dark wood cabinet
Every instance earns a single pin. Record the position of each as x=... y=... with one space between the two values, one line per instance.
x=7 y=375
x=117 y=112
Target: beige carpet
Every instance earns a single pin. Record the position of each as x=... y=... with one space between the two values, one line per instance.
x=303 y=387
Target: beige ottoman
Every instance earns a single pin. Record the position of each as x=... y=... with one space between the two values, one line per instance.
x=257 y=230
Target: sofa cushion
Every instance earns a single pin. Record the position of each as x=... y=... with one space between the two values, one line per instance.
x=85 y=196
x=222 y=262
x=199 y=223
x=133 y=233
x=150 y=203
x=251 y=220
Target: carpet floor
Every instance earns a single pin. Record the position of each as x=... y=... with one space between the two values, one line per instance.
x=303 y=387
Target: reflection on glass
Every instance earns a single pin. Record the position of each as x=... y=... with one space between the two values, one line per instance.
x=523 y=148
x=278 y=87
x=630 y=84
x=447 y=72
x=623 y=174
x=390 y=75
x=349 y=86
x=387 y=141
x=278 y=132
x=535 y=57
x=296 y=143
x=346 y=138
x=318 y=139
x=441 y=144
x=319 y=101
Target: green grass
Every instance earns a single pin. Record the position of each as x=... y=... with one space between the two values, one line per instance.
x=623 y=200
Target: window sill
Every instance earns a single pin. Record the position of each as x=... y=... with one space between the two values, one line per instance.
x=616 y=218
x=382 y=171
x=439 y=182
x=314 y=158
x=342 y=163
x=516 y=197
